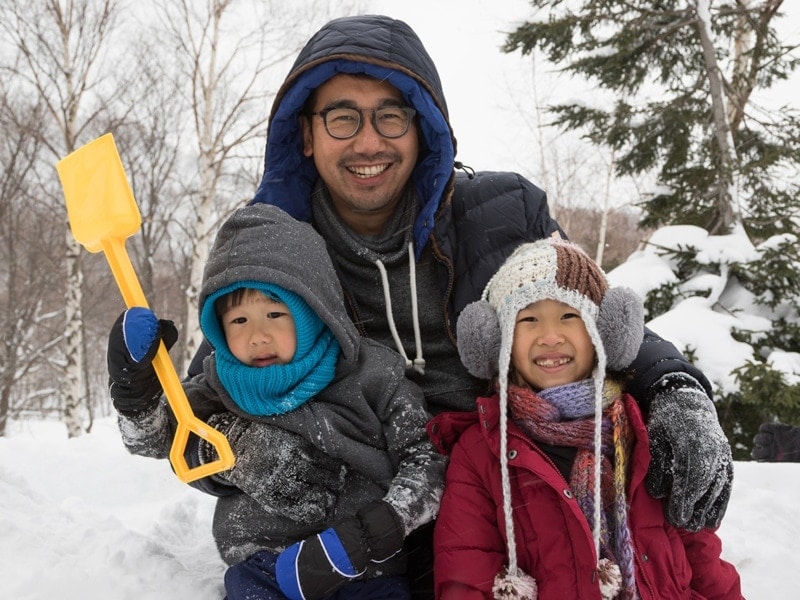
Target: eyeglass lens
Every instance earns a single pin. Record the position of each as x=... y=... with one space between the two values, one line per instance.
x=390 y=121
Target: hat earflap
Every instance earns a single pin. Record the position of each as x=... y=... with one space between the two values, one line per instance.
x=478 y=333
x=620 y=323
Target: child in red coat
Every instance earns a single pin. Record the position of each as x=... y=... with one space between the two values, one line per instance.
x=544 y=495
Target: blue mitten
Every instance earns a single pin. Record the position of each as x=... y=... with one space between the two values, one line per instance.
x=318 y=566
x=132 y=345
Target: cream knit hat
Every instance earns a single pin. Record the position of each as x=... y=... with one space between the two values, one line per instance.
x=551 y=269
x=557 y=270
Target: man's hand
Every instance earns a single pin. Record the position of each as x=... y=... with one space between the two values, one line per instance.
x=691 y=462
x=776 y=442
x=283 y=472
x=132 y=344
x=318 y=566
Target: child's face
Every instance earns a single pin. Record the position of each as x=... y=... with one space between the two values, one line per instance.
x=260 y=331
x=551 y=346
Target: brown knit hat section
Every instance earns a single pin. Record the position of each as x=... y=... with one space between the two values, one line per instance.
x=576 y=271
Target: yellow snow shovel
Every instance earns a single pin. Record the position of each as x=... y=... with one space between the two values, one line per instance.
x=102 y=214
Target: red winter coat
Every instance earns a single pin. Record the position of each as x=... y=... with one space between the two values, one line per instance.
x=553 y=538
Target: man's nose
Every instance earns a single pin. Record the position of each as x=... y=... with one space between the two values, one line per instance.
x=368 y=140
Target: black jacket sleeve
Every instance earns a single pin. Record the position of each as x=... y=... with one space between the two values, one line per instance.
x=196 y=366
x=656 y=358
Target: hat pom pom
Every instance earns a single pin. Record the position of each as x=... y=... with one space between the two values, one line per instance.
x=620 y=323
x=478 y=332
x=610 y=578
x=512 y=587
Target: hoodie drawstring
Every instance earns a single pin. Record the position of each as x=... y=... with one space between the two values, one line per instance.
x=419 y=362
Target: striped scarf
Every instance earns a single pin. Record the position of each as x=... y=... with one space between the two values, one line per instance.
x=564 y=416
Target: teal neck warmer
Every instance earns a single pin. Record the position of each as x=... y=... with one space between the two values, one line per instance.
x=276 y=389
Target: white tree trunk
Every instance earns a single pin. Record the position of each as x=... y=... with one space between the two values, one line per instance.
x=73 y=341
x=728 y=197
x=601 y=234
x=204 y=227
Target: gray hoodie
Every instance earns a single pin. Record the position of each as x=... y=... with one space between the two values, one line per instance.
x=370 y=416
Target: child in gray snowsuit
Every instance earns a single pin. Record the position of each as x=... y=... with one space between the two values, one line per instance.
x=287 y=354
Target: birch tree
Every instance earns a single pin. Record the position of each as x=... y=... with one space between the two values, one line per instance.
x=150 y=141
x=61 y=45
x=27 y=296
x=570 y=170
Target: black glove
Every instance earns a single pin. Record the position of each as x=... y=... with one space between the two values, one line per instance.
x=132 y=345
x=283 y=472
x=320 y=565
x=776 y=442
x=691 y=461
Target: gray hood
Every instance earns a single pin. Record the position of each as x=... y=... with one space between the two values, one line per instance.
x=261 y=243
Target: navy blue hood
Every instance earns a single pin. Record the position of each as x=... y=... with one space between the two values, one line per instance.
x=383 y=48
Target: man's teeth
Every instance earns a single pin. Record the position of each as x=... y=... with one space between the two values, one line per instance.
x=370 y=171
x=553 y=362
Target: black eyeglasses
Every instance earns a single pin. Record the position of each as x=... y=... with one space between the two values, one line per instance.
x=389 y=121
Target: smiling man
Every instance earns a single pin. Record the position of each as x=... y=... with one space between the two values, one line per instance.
x=361 y=136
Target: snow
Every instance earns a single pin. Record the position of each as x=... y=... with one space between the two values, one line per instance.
x=713 y=306
x=82 y=519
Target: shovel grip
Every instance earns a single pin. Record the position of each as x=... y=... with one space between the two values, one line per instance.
x=187 y=422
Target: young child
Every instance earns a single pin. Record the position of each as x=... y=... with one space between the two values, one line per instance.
x=287 y=354
x=544 y=494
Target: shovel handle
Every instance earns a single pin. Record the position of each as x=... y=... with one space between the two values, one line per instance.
x=187 y=422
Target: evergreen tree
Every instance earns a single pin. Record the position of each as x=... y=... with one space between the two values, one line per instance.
x=682 y=76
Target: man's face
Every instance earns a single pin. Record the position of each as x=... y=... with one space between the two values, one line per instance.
x=367 y=173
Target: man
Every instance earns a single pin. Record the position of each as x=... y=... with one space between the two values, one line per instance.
x=360 y=145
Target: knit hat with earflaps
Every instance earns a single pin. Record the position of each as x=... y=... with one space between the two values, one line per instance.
x=549 y=269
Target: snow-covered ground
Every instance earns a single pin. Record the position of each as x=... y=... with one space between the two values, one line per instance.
x=82 y=519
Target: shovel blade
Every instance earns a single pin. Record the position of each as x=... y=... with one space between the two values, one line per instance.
x=100 y=203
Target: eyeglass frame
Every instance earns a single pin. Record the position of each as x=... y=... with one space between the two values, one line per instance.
x=323 y=114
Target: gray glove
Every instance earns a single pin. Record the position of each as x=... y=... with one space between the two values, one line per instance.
x=283 y=472
x=691 y=462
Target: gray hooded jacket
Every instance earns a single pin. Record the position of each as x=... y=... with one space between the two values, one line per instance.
x=370 y=416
